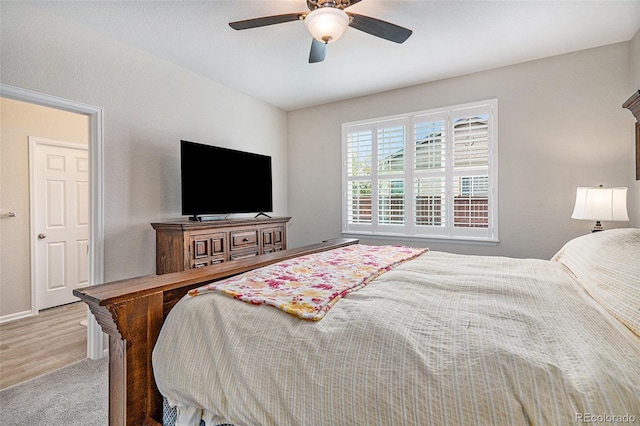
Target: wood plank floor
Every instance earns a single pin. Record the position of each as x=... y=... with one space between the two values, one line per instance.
x=33 y=346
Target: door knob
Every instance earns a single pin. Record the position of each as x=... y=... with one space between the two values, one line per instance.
x=42 y=236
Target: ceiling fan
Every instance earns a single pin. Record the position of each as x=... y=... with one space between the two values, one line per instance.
x=327 y=21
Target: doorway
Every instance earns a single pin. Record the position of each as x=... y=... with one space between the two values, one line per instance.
x=95 y=244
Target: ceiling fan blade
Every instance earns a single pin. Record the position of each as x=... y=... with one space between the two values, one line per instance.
x=264 y=21
x=378 y=28
x=318 y=51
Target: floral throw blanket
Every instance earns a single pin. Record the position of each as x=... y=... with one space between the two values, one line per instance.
x=308 y=286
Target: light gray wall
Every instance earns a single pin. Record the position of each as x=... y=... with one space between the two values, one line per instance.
x=149 y=105
x=561 y=126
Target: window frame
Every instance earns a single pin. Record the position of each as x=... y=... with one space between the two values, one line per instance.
x=409 y=230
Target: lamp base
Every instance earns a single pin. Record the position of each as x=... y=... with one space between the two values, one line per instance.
x=598 y=227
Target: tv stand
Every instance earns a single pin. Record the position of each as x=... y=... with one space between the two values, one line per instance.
x=195 y=244
x=261 y=214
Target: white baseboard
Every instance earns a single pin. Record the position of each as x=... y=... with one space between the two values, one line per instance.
x=17 y=315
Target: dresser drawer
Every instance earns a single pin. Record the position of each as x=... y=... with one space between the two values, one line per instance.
x=202 y=263
x=243 y=255
x=206 y=245
x=272 y=236
x=241 y=240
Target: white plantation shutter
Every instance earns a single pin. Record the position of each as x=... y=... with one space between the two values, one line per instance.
x=472 y=150
x=430 y=196
x=471 y=142
x=359 y=171
x=430 y=148
x=391 y=149
x=360 y=153
x=430 y=158
x=391 y=201
x=427 y=174
x=359 y=201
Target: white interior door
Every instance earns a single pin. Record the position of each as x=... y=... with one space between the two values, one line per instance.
x=60 y=220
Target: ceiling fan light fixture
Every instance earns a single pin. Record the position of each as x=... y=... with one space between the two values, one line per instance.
x=326 y=24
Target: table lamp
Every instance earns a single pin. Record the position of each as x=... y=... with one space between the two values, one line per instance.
x=600 y=203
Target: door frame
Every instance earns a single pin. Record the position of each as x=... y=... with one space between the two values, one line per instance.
x=34 y=143
x=95 y=340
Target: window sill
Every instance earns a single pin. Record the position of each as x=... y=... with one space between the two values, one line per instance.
x=424 y=238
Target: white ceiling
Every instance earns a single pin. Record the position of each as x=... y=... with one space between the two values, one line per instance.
x=450 y=38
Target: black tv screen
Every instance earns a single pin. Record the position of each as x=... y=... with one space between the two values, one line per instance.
x=222 y=181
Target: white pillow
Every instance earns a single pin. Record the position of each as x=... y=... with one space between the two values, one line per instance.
x=607 y=264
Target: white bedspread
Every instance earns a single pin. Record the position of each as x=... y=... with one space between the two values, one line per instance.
x=442 y=339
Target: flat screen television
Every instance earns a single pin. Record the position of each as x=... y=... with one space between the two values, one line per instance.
x=221 y=181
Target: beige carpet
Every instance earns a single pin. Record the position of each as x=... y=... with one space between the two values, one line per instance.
x=73 y=395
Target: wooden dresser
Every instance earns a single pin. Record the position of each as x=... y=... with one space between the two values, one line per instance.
x=189 y=245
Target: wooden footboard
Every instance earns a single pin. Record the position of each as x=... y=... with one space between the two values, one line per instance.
x=132 y=312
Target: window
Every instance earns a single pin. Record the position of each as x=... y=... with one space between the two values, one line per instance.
x=429 y=174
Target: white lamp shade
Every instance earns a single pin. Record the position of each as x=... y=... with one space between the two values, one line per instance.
x=608 y=204
x=326 y=24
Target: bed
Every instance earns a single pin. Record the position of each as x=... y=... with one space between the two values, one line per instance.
x=437 y=339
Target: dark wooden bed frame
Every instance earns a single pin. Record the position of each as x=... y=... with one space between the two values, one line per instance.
x=132 y=312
